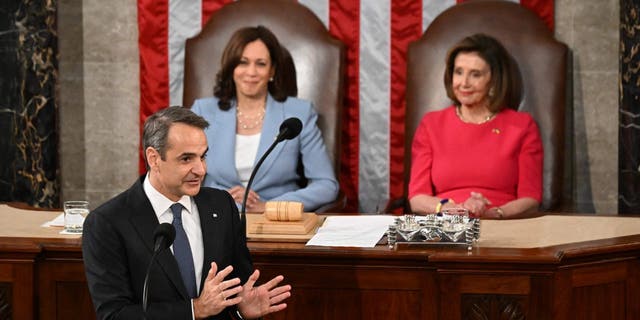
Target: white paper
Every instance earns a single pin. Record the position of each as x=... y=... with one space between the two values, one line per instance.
x=63 y=231
x=352 y=231
x=56 y=222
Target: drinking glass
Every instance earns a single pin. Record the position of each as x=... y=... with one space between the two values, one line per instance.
x=74 y=214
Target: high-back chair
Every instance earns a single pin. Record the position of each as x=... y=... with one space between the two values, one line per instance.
x=540 y=75
x=315 y=69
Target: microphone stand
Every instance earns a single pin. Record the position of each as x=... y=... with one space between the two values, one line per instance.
x=145 y=288
x=163 y=238
x=253 y=174
x=289 y=129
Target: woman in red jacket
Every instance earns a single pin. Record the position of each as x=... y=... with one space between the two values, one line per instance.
x=477 y=153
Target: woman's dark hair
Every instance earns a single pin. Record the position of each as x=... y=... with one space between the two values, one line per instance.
x=498 y=59
x=225 y=88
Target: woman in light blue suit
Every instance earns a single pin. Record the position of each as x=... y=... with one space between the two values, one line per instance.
x=245 y=116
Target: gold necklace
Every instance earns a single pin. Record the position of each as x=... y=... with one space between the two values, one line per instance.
x=487 y=118
x=250 y=122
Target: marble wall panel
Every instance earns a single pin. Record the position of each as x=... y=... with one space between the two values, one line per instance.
x=71 y=97
x=28 y=106
x=629 y=154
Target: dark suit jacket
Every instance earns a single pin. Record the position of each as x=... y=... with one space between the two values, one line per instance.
x=117 y=245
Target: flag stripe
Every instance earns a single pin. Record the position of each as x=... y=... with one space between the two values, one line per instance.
x=432 y=8
x=374 y=102
x=344 y=24
x=320 y=8
x=543 y=8
x=185 y=22
x=376 y=35
x=406 y=26
x=210 y=6
x=154 y=65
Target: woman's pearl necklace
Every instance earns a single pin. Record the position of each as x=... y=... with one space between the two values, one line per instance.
x=250 y=122
x=487 y=118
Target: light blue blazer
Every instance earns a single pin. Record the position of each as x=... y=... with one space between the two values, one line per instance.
x=276 y=178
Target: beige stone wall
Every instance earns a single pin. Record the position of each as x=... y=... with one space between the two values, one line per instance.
x=590 y=29
x=99 y=97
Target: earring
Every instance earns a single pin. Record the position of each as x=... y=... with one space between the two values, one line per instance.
x=491 y=92
x=271 y=79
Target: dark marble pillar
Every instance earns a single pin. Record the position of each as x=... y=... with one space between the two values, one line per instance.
x=28 y=108
x=629 y=133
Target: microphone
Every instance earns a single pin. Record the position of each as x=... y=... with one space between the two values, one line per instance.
x=163 y=237
x=289 y=129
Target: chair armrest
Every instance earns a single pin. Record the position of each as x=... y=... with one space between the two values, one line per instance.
x=393 y=206
x=336 y=206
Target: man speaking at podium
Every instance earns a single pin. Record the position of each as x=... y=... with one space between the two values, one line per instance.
x=210 y=242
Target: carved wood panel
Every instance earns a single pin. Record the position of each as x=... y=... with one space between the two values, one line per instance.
x=5 y=300
x=324 y=292
x=64 y=280
x=490 y=306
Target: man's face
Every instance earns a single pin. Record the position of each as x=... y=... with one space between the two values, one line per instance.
x=184 y=167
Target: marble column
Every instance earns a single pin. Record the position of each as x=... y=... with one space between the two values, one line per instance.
x=28 y=108
x=629 y=132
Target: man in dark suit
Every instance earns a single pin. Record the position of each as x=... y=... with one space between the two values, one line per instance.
x=118 y=238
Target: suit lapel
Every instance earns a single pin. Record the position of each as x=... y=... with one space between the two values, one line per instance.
x=224 y=145
x=144 y=221
x=270 y=129
x=209 y=222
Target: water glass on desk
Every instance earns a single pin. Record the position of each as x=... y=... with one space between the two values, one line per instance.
x=74 y=214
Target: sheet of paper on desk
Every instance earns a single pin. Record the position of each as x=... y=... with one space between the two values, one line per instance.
x=57 y=222
x=352 y=231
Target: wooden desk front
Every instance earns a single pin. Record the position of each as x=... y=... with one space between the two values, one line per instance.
x=505 y=277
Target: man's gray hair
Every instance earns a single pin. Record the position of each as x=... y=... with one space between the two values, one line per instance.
x=156 y=127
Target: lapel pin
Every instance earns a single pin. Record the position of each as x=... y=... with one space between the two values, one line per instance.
x=496 y=130
x=214 y=215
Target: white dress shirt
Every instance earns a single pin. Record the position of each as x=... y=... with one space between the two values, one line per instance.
x=246 y=152
x=190 y=221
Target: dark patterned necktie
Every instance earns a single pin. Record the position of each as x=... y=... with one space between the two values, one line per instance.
x=182 y=252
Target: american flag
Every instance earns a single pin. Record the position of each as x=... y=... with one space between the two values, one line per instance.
x=376 y=34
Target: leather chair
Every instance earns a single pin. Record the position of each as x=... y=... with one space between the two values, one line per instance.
x=541 y=76
x=316 y=67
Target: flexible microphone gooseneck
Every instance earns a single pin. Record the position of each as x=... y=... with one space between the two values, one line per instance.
x=163 y=237
x=289 y=129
